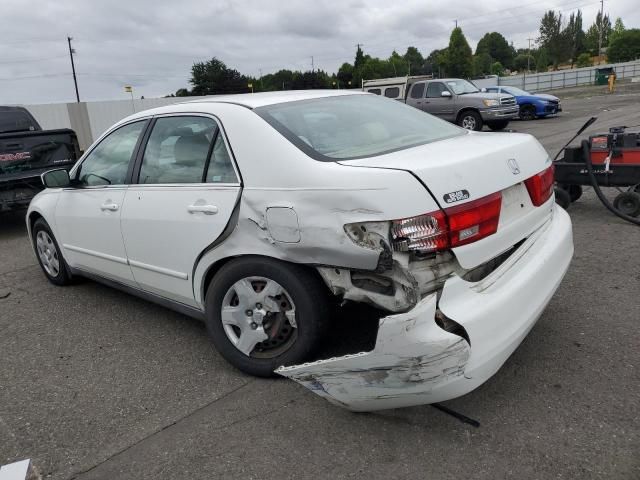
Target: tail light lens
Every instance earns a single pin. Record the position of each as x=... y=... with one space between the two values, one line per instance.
x=540 y=186
x=452 y=227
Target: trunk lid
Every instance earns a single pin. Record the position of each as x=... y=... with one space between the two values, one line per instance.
x=465 y=168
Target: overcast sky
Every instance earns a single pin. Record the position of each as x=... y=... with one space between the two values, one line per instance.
x=151 y=44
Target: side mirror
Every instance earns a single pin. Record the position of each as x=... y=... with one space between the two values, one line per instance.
x=57 y=178
x=484 y=89
x=446 y=93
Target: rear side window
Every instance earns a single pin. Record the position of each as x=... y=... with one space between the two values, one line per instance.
x=392 y=92
x=435 y=89
x=377 y=91
x=16 y=121
x=417 y=91
x=180 y=150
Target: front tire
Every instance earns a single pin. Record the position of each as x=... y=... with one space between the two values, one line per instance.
x=498 y=125
x=527 y=112
x=262 y=314
x=628 y=203
x=48 y=253
x=470 y=120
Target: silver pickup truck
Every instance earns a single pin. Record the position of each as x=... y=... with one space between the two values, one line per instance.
x=453 y=99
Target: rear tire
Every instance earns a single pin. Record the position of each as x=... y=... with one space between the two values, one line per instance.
x=499 y=125
x=628 y=203
x=252 y=330
x=470 y=120
x=562 y=197
x=575 y=192
x=527 y=112
x=49 y=255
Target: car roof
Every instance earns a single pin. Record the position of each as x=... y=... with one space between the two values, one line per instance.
x=255 y=100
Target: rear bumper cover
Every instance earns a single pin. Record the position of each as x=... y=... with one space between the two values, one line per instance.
x=416 y=362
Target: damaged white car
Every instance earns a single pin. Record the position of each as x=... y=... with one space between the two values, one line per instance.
x=257 y=212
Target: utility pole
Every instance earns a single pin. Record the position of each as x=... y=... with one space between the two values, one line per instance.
x=456 y=22
x=73 y=68
x=312 y=67
x=600 y=29
x=529 y=54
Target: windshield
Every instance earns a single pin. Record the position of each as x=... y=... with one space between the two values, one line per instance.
x=354 y=126
x=514 y=91
x=460 y=87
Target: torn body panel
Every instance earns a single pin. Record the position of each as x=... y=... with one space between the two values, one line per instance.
x=416 y=362
x=412 y=359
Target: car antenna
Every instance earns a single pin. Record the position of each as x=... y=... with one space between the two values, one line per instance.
x=586 y=125
x=458 y=415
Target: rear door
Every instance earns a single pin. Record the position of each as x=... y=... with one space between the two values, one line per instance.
x=187 y=187
x=436 y=104
x=88 y=215
x=416 y=95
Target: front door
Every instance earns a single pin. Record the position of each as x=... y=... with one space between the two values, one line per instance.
x=186 y=192
x=88 y=214
x=436 y=104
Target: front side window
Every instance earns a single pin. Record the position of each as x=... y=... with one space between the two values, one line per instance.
x=107 y=164
x=435 y=89
x=178 y=150
x=354 y=126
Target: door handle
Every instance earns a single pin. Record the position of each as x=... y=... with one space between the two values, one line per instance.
x=206 y=209
x=112 y=207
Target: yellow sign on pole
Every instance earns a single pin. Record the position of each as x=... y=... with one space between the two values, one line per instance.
x=128 y=88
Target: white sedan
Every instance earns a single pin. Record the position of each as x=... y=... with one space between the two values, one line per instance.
x=258 y=212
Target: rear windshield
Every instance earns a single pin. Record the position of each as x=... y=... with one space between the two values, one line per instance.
x=354 y=126
x=16 y=121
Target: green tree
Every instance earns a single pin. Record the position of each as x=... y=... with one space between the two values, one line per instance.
x=415 y=60
x=593 y=33
x=553 y=38
x=574 y=36
x=497 y=69
x=359 y=61
x=345 y=76
x=497 y=46
x=459 y=58
x=522 y=60
x=584 y=60
x=618 y=29
x=482 y=64
x=436 y=62
x=399 y=64
x=542 y=62
x=182 y=92
x=213 y=77
x=625 y=46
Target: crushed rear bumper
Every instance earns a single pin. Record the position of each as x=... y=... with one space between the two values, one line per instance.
x=416 y=362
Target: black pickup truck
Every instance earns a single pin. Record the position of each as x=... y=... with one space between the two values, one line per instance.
x=27 y=151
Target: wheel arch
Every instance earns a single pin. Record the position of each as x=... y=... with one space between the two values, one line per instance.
x=463 y=110
x=211 y=271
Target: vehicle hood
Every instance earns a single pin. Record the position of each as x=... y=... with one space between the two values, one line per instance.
x=486 y=95
x=476 y=162
x=536 y=97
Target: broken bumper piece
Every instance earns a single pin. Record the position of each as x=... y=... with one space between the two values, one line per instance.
x=416 y=362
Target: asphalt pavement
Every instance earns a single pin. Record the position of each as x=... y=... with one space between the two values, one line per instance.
x=96 y=384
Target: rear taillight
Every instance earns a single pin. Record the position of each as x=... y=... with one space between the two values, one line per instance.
x=540 y=186
x=452 y=227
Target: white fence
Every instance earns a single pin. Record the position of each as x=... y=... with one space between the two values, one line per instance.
x=91 y=119
x=538 y=82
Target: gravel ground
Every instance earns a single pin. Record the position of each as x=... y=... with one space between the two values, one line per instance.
x=96 y=384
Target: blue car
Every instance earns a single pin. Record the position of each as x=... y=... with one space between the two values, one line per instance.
x=532 y=105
